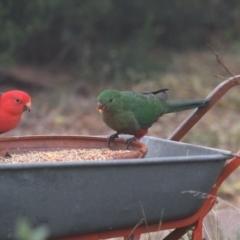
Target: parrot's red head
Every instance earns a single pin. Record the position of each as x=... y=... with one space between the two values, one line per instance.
x=12 y=105
x=15 y=101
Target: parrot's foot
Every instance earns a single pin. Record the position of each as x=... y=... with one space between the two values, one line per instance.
x=130 y=140
x=111 y=138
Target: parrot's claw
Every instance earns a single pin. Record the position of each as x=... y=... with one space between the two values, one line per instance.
x=111 y=138
x=130 y=140
x=115 y=135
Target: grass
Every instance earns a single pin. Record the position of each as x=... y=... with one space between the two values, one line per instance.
x=190 y=74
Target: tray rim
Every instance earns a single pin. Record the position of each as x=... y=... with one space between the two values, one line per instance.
x=221 y=155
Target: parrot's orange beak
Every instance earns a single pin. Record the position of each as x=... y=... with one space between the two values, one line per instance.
x=100 y=107
x=27 y=107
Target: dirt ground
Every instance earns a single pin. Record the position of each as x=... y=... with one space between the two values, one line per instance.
x=71 y=110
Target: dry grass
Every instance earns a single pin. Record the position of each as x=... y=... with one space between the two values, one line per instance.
x=191 y=75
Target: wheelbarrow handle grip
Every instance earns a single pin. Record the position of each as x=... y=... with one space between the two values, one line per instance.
x=197 y=113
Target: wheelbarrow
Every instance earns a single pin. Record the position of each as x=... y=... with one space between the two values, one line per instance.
x=203 y=169
x=173 y=187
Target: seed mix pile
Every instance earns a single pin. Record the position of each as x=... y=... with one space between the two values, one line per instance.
x=66 y=155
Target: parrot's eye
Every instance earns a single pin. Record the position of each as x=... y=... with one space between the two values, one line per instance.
x=17 y=100
x=110 y=100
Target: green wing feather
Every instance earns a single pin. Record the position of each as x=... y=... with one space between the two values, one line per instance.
x=146 y=108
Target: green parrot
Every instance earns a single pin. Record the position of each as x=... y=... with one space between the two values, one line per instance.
x=133 y=113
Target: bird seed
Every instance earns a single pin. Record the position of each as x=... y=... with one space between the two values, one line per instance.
x=66 y=155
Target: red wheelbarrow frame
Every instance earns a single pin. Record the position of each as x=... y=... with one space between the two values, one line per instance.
x=194 y=221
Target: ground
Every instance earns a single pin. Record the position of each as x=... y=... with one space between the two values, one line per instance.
x=71 y=110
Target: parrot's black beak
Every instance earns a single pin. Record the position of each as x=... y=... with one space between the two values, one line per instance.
x=100 y=106
x=27 y=107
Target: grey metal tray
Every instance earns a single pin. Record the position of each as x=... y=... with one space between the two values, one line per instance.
x=83 y=197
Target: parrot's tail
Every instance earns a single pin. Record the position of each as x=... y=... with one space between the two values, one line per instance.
x=181 y=105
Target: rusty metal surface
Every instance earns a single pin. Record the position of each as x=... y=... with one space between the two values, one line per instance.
x=196 y=114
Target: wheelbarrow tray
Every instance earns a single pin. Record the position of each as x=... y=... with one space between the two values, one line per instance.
x=84 y=197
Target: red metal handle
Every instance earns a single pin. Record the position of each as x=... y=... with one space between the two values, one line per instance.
x=196 y=114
